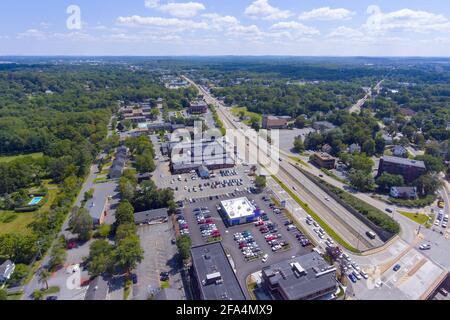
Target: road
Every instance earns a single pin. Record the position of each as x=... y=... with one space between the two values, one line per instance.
x=348 y=226
x=433 y=263
x=357 y=107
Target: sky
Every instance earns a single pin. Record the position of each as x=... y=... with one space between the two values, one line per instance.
x=225 y=27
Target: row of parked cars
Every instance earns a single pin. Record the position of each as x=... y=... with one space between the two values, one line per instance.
x=300 y=236
x=206 y=224
x=227 y=183
x=249 y=248
x=182 y=224
x=352 y=269
x=228 y=173
x=441 y=219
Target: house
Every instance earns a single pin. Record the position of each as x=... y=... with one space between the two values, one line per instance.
x=119 y=163
x=409 y=169
x=354 y=148
x=98 y=208
x=151 y=216
x=324 y=160
x=307 y=277
x=399 y=151
x=388 y=139
x=409 y=193
x=141 y=177
x=273 y=122
x=98 y=289
x=326 y=148
x=6 y=270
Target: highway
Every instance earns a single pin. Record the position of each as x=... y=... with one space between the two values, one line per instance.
x=351 y=229
x=357 y=107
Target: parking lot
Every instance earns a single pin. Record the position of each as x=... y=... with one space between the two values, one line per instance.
x=227 y=234
x=159 y=258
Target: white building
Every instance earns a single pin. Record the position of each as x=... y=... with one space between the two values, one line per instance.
x=239 y=211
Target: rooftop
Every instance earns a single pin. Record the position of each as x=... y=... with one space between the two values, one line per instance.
x=98 y=289
x=405 y=162
x=324 y=156
x=150 y=215
x=303 y=276
x=217 y=280
x=238 y=208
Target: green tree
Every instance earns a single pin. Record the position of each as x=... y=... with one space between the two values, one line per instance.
x=361 y=180
x=58 y=256
x=44 y=276
x=380 y=144
x=81 y=224
x=104 y=230
x=125 y=213
x=300 y=122
x=101 y=257
x=125 y=231
x=386 y=180
x=20 y=272
x=433 y=164
x=184 y=244
x=361 y=162
x=260 y=183
x=129 y=253
x=427 y=184
x=298 y=145
x=369 y=147
x=38 y=294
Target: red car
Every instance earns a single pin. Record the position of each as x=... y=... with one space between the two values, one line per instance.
x=209 y=221
x=72 y=245
x=215 y=234
x=259 y=223
x=270 y=238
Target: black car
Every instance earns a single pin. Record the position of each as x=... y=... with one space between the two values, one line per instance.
x=134 y=278
x=164 y=276
x=52 y=298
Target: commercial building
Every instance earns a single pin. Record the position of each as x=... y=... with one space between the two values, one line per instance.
x=324 y=160
x=409 y=193
x=198 y=107
x=239 y=211
x=213 y=275
x=6 y=270
x=213 y=154
x=409 y=169
x=307 y=277
x=151 y=216
x=273 y=122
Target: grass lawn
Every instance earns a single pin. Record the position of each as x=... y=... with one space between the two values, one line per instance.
x=236 y=110
x=297 y=159
x=18 y=222
x=420 y=218
x=36 y=155
x=165 y=284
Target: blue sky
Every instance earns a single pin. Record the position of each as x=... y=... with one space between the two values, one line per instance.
x=226 y=27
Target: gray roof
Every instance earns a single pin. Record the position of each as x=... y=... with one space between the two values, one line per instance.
x=95 y=206
x=169 y=294
x=209 y=259
x=5 y=266
x=296 y=285
x=150 y=215
x=405 y=162
x=405 y=189
x=98 y=289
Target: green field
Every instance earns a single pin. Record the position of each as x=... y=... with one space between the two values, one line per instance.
x=18 y=222
x=420 y=218
x=36 y=155
x=237 y=110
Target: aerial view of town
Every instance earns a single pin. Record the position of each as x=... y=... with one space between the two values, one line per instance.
x=257 y=150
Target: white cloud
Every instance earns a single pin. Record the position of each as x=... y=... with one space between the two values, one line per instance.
x=158 y=22
x=32 y=33
x=182 y=10
x=219 y=22
x=404 y=20
x=345 y=32
x=151 y=3
x=262 y=9
x=298 y=28
x=327 y=14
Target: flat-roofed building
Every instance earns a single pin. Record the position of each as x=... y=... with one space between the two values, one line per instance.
x=239 y=211
x=274 y=122
x=323 y=126
x=324 y=160
x=213 y=275
x=409 y=169
x=307 y=277
x=198 y=107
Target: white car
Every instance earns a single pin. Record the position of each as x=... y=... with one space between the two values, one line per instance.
x=425 y=246
x=73 y=268
x=264 y=259
x=364 y=275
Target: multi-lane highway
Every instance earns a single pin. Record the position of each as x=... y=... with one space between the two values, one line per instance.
x=351 y=229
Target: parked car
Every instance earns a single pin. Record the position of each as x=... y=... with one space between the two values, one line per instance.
x=397 y=267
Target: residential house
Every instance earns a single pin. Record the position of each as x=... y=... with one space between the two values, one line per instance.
x=6 y=270
x=409 y=193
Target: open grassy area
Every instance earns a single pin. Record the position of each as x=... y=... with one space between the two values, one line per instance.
x=36 y=155
x=420 y=218
x=297 y=159
x=321 y=222
x=237 y=110
x=18 y=222
x=332 y=175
